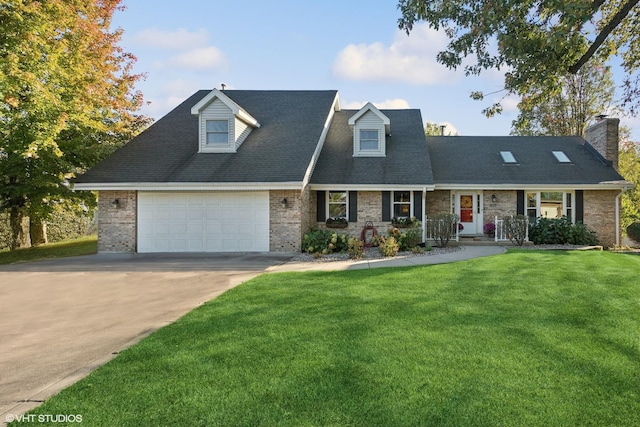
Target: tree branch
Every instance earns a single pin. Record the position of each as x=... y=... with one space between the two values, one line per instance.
x=611 y=25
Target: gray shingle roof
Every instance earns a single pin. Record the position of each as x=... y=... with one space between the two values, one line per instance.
x=279 y=151
x=477 y=160
x=406 y=162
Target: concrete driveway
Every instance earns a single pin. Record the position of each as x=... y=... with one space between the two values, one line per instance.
x=61 y=319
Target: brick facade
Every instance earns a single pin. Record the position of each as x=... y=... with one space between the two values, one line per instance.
x=505 y=204
x=285 y=222
x=599 y=215
x=117 y=223
x=603 y=136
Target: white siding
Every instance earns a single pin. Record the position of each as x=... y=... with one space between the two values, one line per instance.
x=369 y=120
x=242 y=131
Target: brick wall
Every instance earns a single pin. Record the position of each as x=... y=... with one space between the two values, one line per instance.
x=599 y=215
x=603 y=135
x=117 y=224
x=285 y=222
x=438 y=201
x=505 y=204
x=369 y=209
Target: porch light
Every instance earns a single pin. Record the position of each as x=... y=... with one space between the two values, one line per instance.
x=115 y=203
x=494 y=198
x=284 y=202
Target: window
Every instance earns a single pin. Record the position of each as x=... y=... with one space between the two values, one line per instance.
x=508 y=157
x=337 y=204
x=550 y=204
x=369 y=140
x=561 y=157
x=217 y=132
x=401 y=204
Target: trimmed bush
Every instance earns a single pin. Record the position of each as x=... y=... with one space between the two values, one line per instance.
x=324 y=242
x=407 y=238
x=388 y=246
x=560 y=231
x=633 y=231
x=442 y=227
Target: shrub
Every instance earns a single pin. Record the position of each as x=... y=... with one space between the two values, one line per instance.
x=324 y=242
x=633 y=231
x=355 y=248
x=442 y=227
x=407 y=238
x=560 y=231
x=516 y=228
x=388 y=246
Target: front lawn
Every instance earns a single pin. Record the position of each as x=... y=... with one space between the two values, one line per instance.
x=76 y=247
x=529 y=338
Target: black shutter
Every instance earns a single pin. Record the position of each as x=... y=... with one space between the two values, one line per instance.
x=520 y=202
x=353 y=206
x=321 y=209
x=386 y=206
x=579 y=202
x=417 y=205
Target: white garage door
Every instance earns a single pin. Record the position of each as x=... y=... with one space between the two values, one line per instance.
x=203 y=222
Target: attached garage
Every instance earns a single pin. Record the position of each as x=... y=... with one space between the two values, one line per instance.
x=203 y=221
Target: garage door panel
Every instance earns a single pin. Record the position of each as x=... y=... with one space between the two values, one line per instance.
x=204 y=221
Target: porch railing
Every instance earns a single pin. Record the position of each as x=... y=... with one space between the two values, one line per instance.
x=503 y=235
x=433 y=228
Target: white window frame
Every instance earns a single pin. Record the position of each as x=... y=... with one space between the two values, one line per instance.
x=394 y=203
x=207 y=133
x=345 y=203
x=369 y=140
x=568 y=203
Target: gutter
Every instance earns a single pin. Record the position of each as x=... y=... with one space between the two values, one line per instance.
x=617 y=214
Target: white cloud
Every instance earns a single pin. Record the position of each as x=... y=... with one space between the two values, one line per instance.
x=204 y=58
x=410 y=59
x=177 y=40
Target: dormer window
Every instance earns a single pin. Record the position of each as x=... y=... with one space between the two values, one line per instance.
x=217 y=132
x=369 y=140
x=370 y=128
x=223 y=124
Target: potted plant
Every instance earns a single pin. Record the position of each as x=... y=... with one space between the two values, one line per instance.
x=489 y=229
x=336 y=222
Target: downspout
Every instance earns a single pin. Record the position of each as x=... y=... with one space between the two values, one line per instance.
x=424 y=214
x=617 y=210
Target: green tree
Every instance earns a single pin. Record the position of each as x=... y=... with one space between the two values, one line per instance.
x=538 y=42
x=67 y=99
x=579 y=98
x=629 y=167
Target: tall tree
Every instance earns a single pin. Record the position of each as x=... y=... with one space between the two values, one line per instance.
x=67 y=99
x=579 y=98
x=629 y=167
x=538 y=42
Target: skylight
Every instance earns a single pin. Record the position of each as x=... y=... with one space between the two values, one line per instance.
x=508 y=157
x=561 y=157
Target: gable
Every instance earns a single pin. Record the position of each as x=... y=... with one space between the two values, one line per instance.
x=223 y=124
x=370 y=130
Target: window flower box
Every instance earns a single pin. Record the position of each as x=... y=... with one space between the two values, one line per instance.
x=336 y=222
x=402 y=222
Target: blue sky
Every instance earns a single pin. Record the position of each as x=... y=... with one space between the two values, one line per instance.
x=354 y=47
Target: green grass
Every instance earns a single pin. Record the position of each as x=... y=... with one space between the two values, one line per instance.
x=83 y=246
x=523 y=339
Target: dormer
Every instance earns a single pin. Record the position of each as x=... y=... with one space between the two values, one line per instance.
x=370 y=128
x=223 y=125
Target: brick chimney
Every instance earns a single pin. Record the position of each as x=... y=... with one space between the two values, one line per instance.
x=603 y=136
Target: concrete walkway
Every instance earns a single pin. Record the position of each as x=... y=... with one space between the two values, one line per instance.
x=465 y=253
